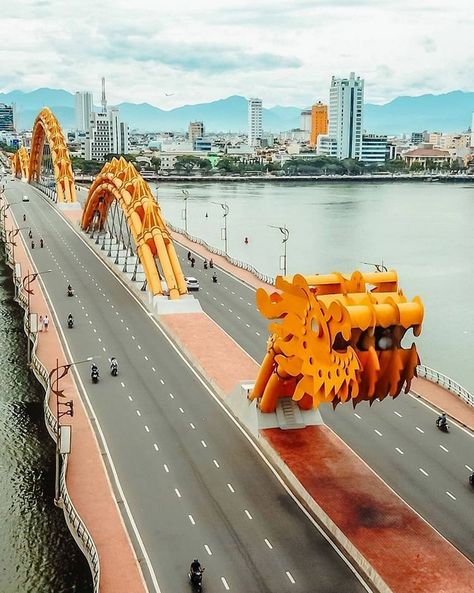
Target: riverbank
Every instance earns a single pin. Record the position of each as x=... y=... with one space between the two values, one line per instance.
x=301 y=178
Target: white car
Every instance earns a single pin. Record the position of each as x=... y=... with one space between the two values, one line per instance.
x=192 y=283
x=25 y=199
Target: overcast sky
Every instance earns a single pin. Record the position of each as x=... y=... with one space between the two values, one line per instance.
x=283 y=51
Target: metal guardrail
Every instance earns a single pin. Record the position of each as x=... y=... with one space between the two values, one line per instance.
x=73 y=520
x=446 y=382
x=235 y=262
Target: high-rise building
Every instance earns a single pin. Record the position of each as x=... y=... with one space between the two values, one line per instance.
x=255 y=123
x=374 y=148
x=106 y=134
x=346 y=103
x=7 y=118
x=319 y=122
x=84 y=108
x=472 y=131
x=195 y=130
x=305 y=122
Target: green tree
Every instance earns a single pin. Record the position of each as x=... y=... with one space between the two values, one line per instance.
x=156 y=163
x=227 y=165
x=186 y=163
x=205 y=164
x=417 y=166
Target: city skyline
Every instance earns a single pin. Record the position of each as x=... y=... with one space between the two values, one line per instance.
x=283 y=53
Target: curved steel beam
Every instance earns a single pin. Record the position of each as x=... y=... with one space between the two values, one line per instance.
x=20 y=163
x=120 y=181
x=47 y=128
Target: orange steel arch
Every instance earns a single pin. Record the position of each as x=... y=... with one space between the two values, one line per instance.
x=46 y=127
x=119 y=180
x=20 y=163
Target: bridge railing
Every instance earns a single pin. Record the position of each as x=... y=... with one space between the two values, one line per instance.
x=73 y=520
x=446 y=382
x=235 y=262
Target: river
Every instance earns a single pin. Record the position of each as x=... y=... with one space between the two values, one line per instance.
x=37 y=552
x=422 y=230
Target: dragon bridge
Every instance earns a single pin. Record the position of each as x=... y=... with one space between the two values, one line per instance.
x=337 y=339
x=121 y=207
x=20 y=163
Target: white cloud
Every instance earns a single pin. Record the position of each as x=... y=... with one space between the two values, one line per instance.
x=284 y=51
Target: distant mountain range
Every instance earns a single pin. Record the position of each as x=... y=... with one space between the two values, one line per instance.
x=448 y=112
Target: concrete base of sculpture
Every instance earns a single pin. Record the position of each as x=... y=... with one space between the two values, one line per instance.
x=287 y=415
x=162 y=305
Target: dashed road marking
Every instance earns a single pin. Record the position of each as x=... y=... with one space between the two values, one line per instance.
x=156 y=447
x=398 y=414
x=192 y=426
x=423 y=472
x=215 y=463
x=420 y=429
x=171 y=396
x=248 y=514
x=469 y=468
x=224 y=582
x=377 y=432
x=268 y=544
x=290 y=577
x=399 y=451
x=193 y=522
x=230 y=487
x=167 y=469
x=178 y=493
x=146 y=428
x=208 y=549
x=139 y=413
x=357 y=415
x=203 y=443
x=450 y=495
x=444 y=448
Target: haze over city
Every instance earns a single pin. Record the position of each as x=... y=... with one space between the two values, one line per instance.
x=285 y=52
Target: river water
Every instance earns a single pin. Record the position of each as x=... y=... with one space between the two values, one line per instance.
x=37 y=552
x=422 y=230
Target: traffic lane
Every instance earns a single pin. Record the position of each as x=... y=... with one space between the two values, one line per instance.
x=420 y=464
x=226 y=436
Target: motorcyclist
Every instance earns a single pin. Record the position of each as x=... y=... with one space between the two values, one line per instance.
x=205 y=264
x=94 y=369
x=195 y=566
x=211 y=263
x=69 y=289
x=441 y=421
x=214 y=278
x=70 y=319
x=113 y=363
x=471 y=479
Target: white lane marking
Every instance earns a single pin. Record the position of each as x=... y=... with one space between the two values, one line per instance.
x=139 y=347
x=133 y=337
x=156 y=447
x=146 y=428
x=241 y=298
x=193 y=522
x=224 y=582
x=192 y=426
x=469 y=468
x=162 y=382
x=203 y=443
x=450 y=495
x=229 y=486
x=100 y=339
x=222 y=305
x=181 y=410
x=139 y=413
x=167 y=469
x=103 y=348
x=215 y=463
x=146 y=357
x=444 y=448
x=130 y=398
x=398 y=414
x=171 y=396
x=94 y=330
x=153 y=369
x=248 y=325
x=399 y=451
x=122 y=384
x=423 y=472
x=268 y=544
x=357 y=415
x=420 y=429
x=290 y=577
x=126 y=328
x=238 y=317
x=249 y=304
x=178 y=493
x=258 y=333
x=232 y=292
x=208 y=549
x=230 y=311
x=248 y=514
x=377 y=432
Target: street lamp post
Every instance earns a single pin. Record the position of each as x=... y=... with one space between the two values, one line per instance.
x=63 y=408
x=12 y=233
x=286 y=233
x=225 y=208
x=185 y=211
x=26 y=282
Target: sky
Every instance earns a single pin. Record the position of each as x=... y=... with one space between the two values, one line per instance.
x=171 y=53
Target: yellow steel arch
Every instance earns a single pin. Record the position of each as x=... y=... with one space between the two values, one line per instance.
x=46 y=127
x=20 y=163
x=119 y=180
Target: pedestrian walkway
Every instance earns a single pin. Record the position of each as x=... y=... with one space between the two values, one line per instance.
x=87 y=481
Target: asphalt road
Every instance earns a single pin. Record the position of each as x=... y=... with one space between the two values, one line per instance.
x=397 y=438
x=194 y=484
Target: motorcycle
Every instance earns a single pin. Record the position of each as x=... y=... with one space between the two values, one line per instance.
x=442 y=426
x=214 y=278
x=70 y=292
x=195 y=578
x=114 y=370
x=471 y=480
x=95 y=376
x=70 y=322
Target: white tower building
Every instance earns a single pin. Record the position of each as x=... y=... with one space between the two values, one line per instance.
x=84 y=103
x=255 y=112
x=472 y=131
x=346 y=103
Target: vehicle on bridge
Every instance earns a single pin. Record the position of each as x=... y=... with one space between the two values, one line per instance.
x=192 y=283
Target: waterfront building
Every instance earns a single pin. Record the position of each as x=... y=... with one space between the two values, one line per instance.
x=419 y=137
x=326 y=145
x=255 y=121
x=319 y=122
x=374 y=148
x=106 y=134
x=202 y=144
x=195 y=130
x=84 y=109
x=472 y=131
x=305 y=120
x=7 y=118
x=427 y=156
x=346 y=100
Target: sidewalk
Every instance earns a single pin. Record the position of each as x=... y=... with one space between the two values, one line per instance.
x=87 y=481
